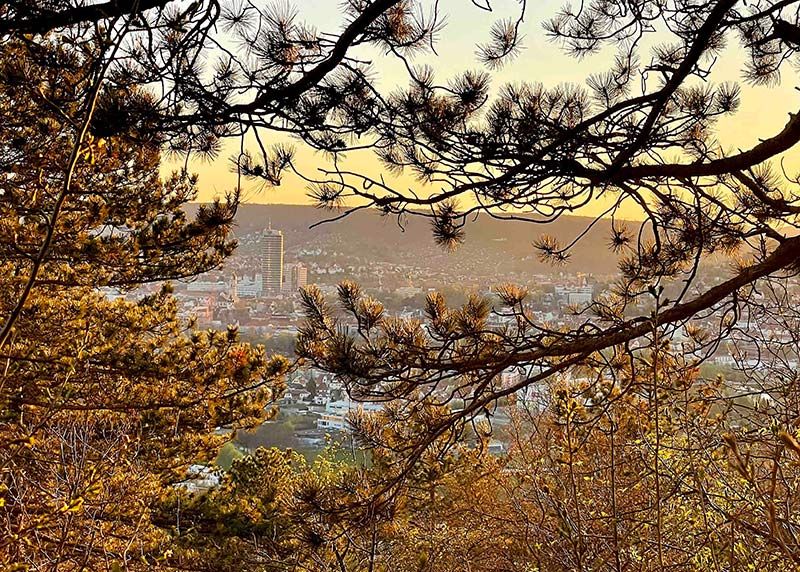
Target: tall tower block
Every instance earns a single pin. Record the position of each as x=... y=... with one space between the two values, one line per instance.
x=271 y=247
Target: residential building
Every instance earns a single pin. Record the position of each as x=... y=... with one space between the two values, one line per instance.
x=575 y=295
x=299 y=276
x=250 y=288
x=336 y=413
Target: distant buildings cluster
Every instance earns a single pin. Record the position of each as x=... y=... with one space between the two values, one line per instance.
x=272 y=276
x=575 y=295
x=257 y=290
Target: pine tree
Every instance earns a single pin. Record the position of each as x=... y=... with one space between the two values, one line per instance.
x=104 y=402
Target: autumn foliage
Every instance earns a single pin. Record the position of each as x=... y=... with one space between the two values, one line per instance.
x=622 y=455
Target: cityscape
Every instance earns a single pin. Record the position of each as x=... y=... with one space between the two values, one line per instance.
x=399 y=286
x=257 y=291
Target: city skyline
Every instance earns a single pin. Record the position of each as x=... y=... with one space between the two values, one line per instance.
x=523 y=292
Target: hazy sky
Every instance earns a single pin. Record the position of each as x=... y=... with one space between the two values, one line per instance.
x=763 y=112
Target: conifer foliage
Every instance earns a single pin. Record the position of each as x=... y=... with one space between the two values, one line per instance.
x=104 y=403
x=632 y=461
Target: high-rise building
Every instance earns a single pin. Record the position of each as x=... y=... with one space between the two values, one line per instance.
x=299 y=276
x=271 y=246
x=295 y=276
x=287 y=278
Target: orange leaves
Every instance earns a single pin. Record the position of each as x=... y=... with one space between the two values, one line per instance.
x=239 y=355
x=789 y=441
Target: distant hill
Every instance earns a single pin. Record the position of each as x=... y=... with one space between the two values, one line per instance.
x=489 y=242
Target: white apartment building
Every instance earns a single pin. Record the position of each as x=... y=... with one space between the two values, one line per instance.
x=336 y=413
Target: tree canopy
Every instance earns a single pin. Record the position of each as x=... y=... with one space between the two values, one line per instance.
x=634 y=461
x=103 y=402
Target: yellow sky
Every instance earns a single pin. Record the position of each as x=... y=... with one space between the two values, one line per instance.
x=763 y=112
